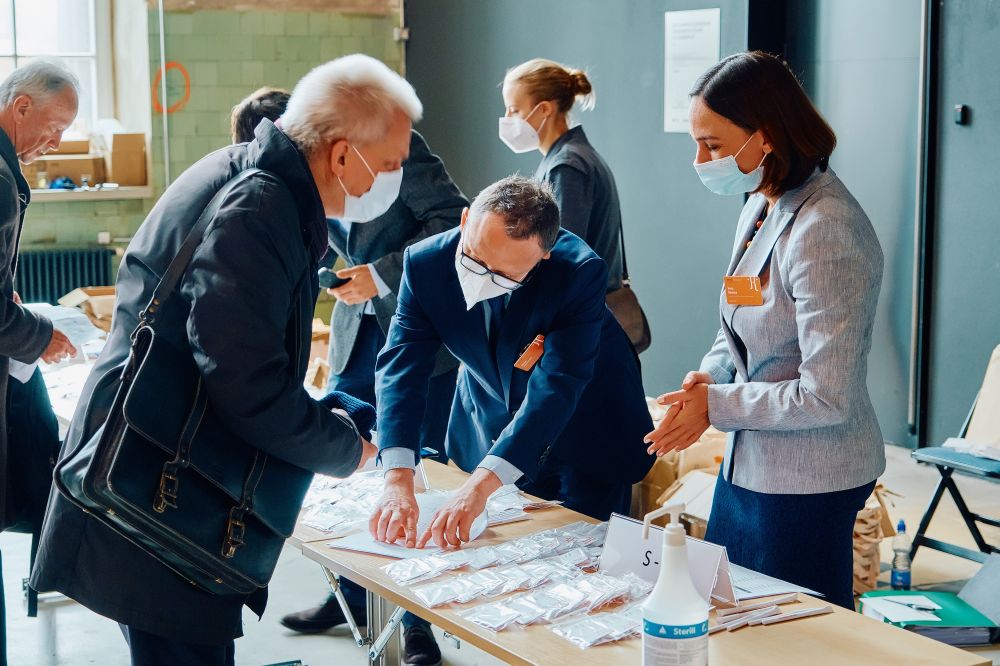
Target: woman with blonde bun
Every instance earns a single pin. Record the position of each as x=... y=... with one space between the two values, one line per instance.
x=538 y=96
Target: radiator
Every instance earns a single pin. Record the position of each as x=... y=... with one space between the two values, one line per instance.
x=43 y=276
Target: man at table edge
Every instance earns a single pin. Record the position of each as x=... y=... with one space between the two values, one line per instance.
x=485 y=291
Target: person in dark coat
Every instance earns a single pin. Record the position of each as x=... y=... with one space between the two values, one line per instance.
x=37 y=103
x=245 y=311
x=429 y=203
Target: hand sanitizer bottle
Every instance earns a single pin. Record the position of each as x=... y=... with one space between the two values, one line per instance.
x=675 y=617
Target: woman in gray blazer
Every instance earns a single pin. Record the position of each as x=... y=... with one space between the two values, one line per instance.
x=786 y=377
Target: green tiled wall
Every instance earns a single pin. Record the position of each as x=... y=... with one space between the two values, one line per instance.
x=227 y=54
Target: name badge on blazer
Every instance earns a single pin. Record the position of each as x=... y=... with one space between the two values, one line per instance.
x=531 y=354
x=743 y=290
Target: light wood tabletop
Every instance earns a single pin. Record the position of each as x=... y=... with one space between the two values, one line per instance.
x=842 y=637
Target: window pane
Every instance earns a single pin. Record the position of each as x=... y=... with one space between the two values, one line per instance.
x=54 y=27
x=6 y=67
x=6 y=29
x=86 y=117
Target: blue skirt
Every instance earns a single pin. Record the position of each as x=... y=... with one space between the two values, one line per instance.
x=803 y=539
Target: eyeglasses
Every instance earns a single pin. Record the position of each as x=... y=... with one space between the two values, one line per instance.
x=501 y=281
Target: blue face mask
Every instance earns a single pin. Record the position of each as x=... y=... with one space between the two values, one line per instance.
x=723 y=176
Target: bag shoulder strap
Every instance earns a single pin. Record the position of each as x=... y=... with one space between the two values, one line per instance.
x=191 y=242
x=621 y=234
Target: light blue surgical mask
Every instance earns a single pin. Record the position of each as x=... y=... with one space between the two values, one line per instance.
x=723 y=176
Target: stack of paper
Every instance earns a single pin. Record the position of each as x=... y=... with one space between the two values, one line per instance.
x=978 y=449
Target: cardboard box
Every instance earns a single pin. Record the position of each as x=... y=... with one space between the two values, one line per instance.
x=320 y=340
x=74 y=145
x=76 y=167
x=124 y=154
x=98 y=303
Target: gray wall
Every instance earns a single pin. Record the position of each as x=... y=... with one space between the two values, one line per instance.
x=965 y=313
x=678 y=234
x=859 y=62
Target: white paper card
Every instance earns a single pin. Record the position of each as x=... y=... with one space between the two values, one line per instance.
x=625 y=551
x=691 y=45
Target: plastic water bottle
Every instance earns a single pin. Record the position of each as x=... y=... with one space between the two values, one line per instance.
x=675 y=617
x=900 y=577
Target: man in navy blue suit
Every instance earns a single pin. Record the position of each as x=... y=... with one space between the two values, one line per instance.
x=549 y=393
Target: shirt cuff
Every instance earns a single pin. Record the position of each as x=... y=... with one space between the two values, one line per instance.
x=506 y=472
x=397 y=457
x=383 y=288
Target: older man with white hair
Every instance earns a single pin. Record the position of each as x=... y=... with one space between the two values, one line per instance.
x=245 y=313
x=37 y=103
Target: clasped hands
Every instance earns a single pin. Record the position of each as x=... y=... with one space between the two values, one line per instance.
x=686 y=419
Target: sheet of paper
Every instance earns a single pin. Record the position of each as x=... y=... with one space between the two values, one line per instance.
x=360 y=539
x=913 y=600
x=73 y=323
x=691 y=45
x=894 y=612
x=979 y=449
x=750 y=584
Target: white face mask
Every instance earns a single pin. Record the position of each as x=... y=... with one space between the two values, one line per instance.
x=518 y=134
x=377 y=200
x=476 y=288
x=723 y=176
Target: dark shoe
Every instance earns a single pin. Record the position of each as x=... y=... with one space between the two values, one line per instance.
x=321 y=618
x=420 y=647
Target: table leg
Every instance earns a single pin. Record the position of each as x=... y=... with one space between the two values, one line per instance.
x=383 y=623
x=334 y=581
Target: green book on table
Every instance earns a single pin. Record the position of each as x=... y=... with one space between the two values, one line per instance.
x=959 y=622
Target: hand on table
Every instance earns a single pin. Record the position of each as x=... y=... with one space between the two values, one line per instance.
x=361 y=288
x=452 y=523
x=687 y=418
x=396 y=514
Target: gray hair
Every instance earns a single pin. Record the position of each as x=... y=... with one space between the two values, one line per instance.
x=527 y=205
x=354 y=98
x=39 y=80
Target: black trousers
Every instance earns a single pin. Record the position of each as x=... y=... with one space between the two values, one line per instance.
x=803 y=539
x=151 y=650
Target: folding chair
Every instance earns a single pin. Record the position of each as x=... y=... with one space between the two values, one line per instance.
x=982 y=425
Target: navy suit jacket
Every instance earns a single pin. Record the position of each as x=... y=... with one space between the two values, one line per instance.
x=583 y=402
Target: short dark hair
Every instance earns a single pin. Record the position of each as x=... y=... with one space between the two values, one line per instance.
x=758 y=92
x=527 y=205
x=262 y=103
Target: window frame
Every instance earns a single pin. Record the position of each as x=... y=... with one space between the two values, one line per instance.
x=101 y=59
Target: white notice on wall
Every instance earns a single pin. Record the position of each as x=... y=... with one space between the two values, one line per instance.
x=691 y=45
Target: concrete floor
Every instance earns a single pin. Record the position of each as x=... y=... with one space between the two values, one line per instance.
x=64 y=633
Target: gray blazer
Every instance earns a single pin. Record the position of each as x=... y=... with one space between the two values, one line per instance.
x=791 y=374
x=429 y=202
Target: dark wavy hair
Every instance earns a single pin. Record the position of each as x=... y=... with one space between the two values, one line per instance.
x=758 y=92
x=262 y=103
x=527 y=205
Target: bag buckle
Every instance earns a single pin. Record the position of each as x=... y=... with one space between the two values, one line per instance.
x=235 y=530
x=167 y=493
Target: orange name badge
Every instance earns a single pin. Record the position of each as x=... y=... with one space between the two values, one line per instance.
x=529 y=357
x=743 y=290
